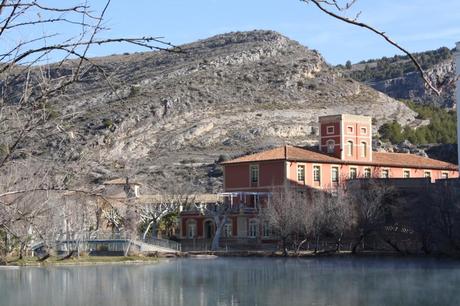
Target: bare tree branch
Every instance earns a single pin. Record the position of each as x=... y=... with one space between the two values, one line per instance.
x=436 y=89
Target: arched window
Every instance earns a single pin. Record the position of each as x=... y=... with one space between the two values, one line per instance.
x=191 y=229
x=350 y=148
x=330 y=146
x=266 y=229
x=228 y=229
x=364 y=149
x=253 y=228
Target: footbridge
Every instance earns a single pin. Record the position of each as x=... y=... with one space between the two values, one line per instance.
x=118 y=246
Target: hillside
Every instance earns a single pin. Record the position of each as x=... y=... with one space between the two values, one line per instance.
x=173 y=115
x=397 y=76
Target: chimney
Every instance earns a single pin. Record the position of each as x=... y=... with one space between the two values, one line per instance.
x=457 y=95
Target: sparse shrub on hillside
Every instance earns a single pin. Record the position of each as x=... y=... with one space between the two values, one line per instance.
x=50 y=111
x=107 y=123
x=348 y=64
x=4 y=149
x=222 y=158
x=134 y=91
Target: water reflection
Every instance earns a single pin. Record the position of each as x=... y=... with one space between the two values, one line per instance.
x=226 y=282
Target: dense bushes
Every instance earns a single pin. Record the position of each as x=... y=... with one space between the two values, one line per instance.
x=442 y=127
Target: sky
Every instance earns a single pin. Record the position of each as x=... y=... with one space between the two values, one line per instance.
x=418 y=25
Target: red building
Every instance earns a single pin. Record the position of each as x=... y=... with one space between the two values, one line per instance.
x=345 y=152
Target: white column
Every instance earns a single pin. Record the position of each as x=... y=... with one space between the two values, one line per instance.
x=457 y=95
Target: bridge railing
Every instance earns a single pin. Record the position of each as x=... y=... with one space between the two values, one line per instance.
x=164 y=243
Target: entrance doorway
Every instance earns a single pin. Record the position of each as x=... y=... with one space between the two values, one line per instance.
x=208 y=229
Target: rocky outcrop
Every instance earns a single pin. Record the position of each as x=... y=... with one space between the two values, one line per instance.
x=398 y=78
x=167 y=117
x=411 y=86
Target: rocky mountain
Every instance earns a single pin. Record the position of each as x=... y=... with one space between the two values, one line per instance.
x=398 y=78
x=164 y=118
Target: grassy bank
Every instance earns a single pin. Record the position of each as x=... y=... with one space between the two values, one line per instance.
x=82 y=260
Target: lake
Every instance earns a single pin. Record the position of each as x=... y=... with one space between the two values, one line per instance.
x=239 y=281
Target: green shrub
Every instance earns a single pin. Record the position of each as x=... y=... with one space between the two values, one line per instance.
x=107 y=123
x=134 y=91
x=442 y=127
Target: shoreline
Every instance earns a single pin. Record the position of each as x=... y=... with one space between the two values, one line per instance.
x=145 y=259
x=82 y=261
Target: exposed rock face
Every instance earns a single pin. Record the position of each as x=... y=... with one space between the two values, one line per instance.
x=173 y=114
x=397 y=77
x=412 y=87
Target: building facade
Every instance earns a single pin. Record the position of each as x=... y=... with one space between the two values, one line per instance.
x=344 y=153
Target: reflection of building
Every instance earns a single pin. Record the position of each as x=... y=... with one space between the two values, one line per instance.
x=345 y=152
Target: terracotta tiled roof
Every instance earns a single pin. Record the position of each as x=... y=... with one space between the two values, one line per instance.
x=309 y=155
x=409 y=160
x=286 y=153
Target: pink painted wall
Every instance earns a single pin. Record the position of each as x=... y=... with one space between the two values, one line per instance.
x=357 y=137
x=344 y=172
x=237 y=176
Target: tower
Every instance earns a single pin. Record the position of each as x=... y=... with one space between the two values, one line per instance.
x=348 y=137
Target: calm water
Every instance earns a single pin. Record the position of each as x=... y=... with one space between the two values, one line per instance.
x=251 y=282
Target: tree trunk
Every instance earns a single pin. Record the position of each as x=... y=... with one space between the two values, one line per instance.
x=394 y=245
x=300 y=245
x=22 y=246
x=357 y=243
x=68 y=255
x=219 y=226
x=338 y=243
x=147 y=230
x=285 y=249
x=316 y=243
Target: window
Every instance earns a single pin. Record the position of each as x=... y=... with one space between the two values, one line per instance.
x=266 y=229
x=367 y=172
x=385 y=173
x=364 y=149
x=191 y=229
x=427 y=174
x=330 y=130
x=254 y=174
x=253 y=229
x=353 y=173
x=301 y=173
x=350 y=148
x=316 y=173
x=330 y=146
x=350 y=129
x=445 y=175
x=363 y=131
x=406 y=174
x=335 y=174
x=228 y=229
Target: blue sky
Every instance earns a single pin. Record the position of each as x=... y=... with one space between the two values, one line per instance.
x=417 y=24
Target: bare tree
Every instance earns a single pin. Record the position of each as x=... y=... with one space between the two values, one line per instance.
x=36 y=70
x=28 y=90
x=369 y=200
x=336 y=9
x=283 y=213
x=324 y=213
x=155 y=208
